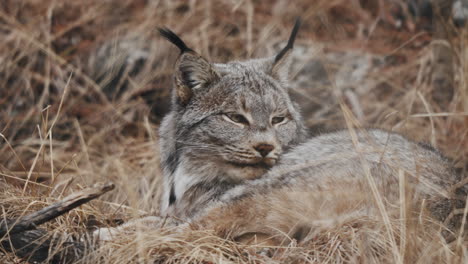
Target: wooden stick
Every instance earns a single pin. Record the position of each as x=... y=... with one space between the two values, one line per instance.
x=48 y=213
x=39 y=245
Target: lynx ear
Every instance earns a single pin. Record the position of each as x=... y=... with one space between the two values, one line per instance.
x=193 y=72
x=282 y=61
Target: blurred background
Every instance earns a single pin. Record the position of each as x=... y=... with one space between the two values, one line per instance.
x=84 y=84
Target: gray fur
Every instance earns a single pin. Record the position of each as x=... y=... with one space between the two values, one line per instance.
x=325 y=160
x=209 y=161
x=335 y=156
x=211 y=165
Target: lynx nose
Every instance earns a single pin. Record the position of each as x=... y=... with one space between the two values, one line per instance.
x=264 y=149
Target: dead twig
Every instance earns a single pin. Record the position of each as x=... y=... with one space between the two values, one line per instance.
x=21 y=237
x=70 y=202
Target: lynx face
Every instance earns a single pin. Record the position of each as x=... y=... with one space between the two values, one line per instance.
x=245 y=119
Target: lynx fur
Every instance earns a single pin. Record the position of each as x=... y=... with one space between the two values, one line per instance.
x=236 y=158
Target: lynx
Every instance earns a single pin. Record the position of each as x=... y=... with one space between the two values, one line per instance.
x=229 y=123
x=235 y=155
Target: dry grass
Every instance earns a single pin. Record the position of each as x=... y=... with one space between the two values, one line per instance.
x=83 y=85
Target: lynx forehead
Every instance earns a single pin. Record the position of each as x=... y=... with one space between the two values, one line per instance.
x=229 y=122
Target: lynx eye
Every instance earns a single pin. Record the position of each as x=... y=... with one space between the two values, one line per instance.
x=278 y=119
x=237 y=118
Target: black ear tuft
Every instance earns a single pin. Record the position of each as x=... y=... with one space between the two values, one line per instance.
x=290 y=44
x=282 y=61
x=192 y=71
x=174 y=39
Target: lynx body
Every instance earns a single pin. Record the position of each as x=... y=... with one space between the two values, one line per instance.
x=236 y=158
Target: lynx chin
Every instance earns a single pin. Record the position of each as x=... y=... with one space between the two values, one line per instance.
x=236 y=158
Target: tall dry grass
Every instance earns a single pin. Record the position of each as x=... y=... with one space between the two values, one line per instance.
x=84 y=84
